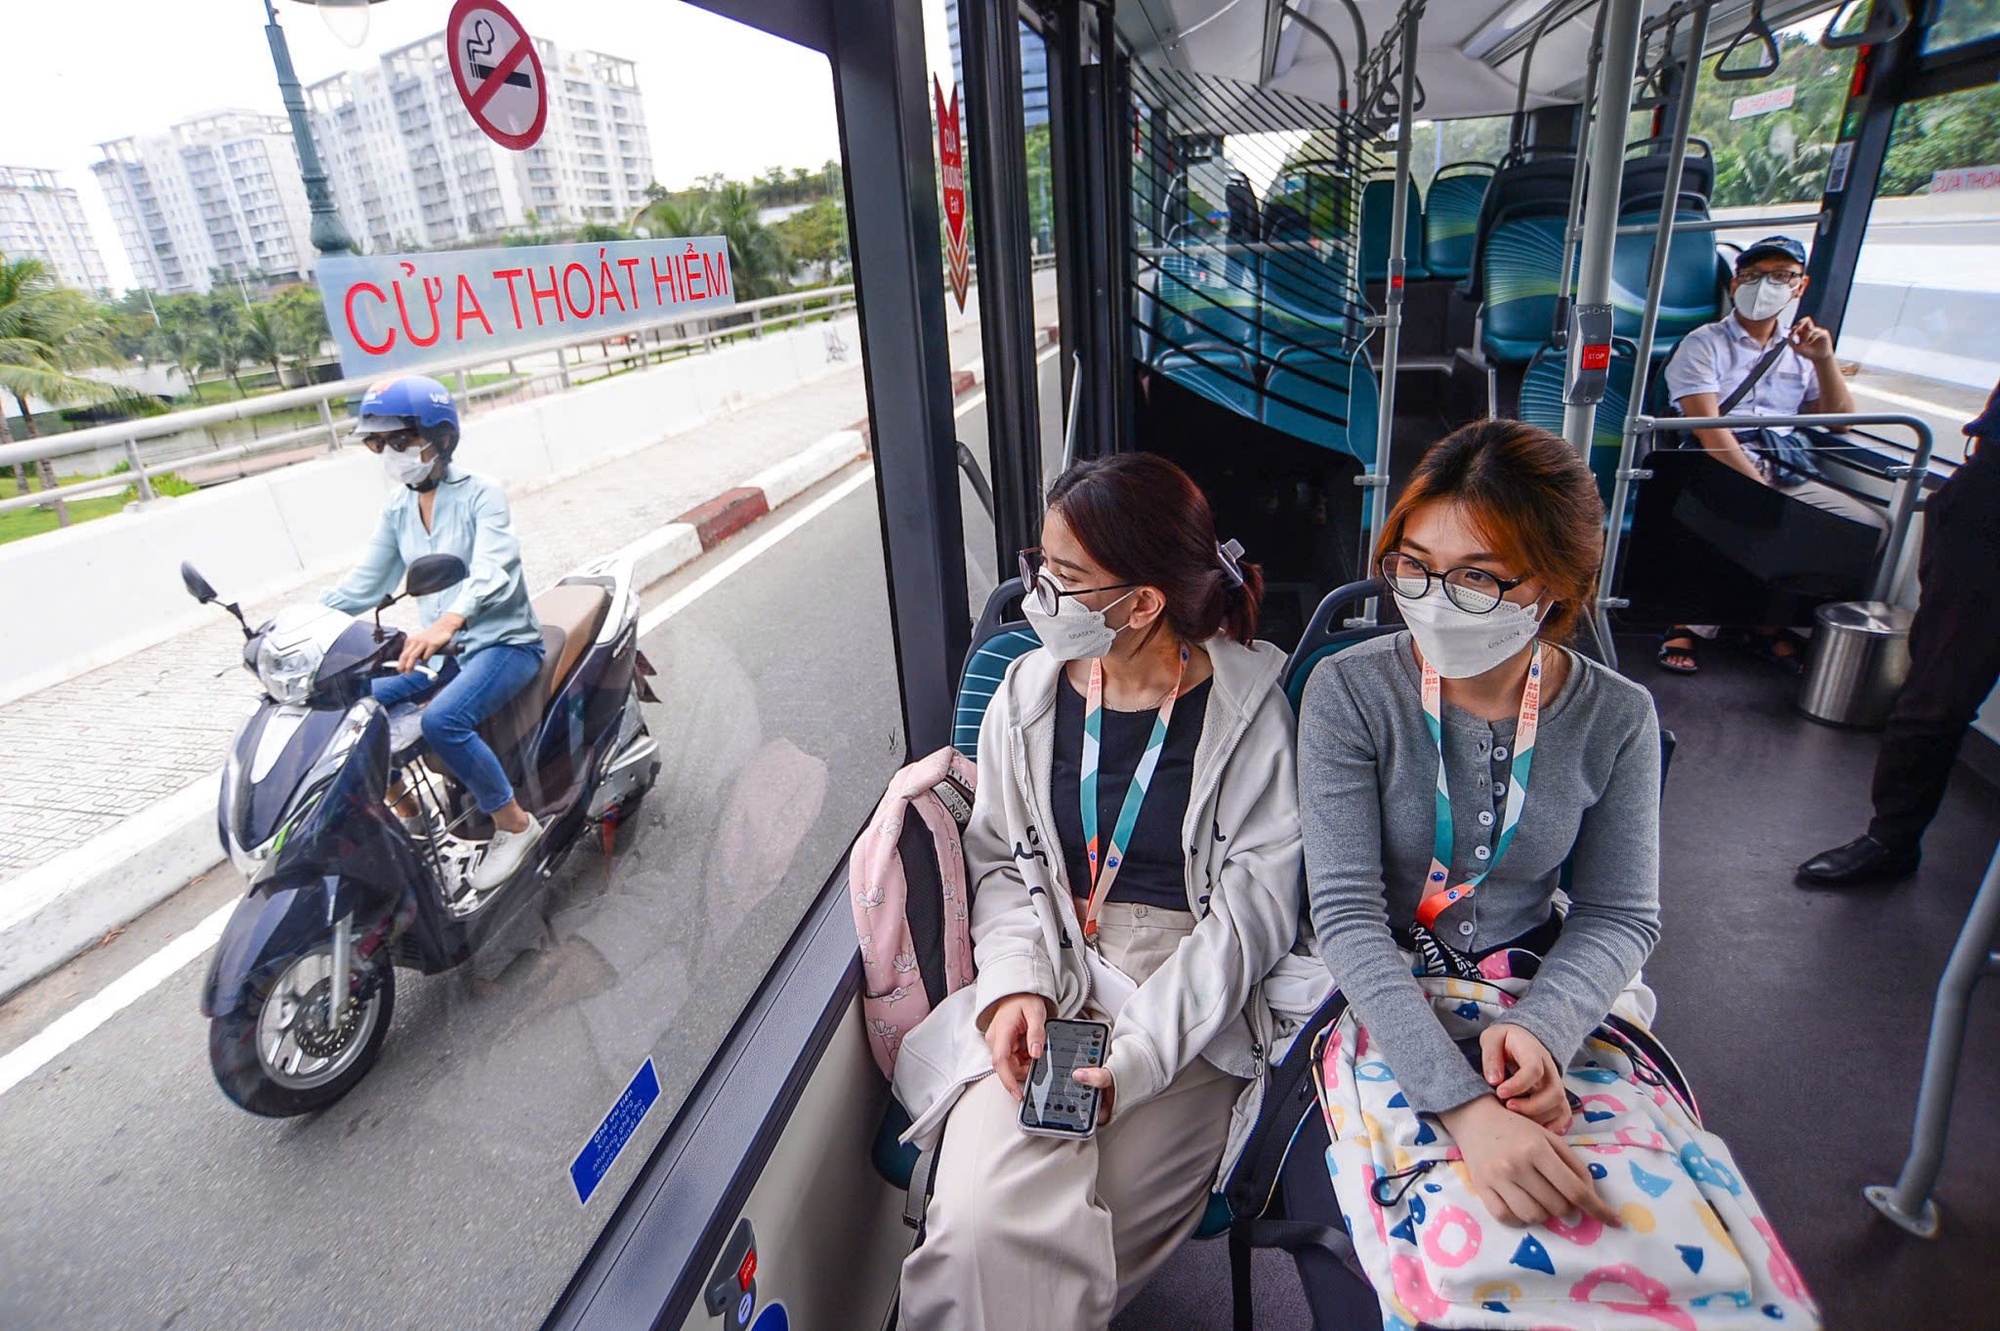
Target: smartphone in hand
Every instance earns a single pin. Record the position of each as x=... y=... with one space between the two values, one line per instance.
x=1054 y=1102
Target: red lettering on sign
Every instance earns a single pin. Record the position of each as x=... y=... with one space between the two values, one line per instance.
x=666 y=279
x=552 y=295
x=689 y=274
x=589 y=306
x=354 y=329
x=951 y=167
x=1595 y=358
x=715 y=267
x=513 y=297
x=433 y=291
x=468 y=305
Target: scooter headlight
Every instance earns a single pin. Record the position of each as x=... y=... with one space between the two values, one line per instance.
x=290 y=650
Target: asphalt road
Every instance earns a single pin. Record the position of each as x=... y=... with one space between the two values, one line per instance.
x=437 y=1193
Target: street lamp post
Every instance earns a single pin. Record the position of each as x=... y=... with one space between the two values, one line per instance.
x=329 y=234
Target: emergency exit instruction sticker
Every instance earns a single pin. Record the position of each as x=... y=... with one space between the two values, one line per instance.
x=594 y=1161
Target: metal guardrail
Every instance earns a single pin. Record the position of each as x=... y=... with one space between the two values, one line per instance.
x=622 y=350
x=1907 y=478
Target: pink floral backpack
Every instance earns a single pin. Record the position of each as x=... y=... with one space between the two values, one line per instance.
x=912 y=912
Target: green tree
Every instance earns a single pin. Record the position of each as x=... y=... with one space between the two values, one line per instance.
x=728 y=208
x=817 y=234
x=49 y=332
x=267 y=339
x=224 y=348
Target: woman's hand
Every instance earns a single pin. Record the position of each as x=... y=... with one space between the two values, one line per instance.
x=1524 y=1075
x=1522 y=1172
x=1100 y=1078
x=425 y=643
x=1014 y=1036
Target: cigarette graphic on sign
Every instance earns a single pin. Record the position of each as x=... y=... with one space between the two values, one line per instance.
x=479 y=47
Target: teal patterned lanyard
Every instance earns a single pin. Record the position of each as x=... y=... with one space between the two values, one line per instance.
x=1135 y=794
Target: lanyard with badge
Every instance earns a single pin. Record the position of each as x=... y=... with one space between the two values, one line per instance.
x=1438 y=897
x=1104 y=868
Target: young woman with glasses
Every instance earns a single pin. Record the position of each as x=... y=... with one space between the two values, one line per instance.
x=1477 y=739
x=1134 y=859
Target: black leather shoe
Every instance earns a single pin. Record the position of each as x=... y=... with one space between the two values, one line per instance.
x=1862 y=860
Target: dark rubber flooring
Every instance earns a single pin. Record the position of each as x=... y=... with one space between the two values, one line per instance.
x=1800 y=1017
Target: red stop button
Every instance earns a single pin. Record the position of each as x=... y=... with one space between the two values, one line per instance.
x=1595 y=358
x=748 y=1271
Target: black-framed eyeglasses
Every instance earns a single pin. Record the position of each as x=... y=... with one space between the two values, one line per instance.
x=1039 y=586
x=1472 y=590
x=400 y=441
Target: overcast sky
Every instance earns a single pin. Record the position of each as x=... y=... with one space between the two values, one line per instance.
x=719 y=96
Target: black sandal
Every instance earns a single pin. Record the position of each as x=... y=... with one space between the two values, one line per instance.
x=1668 y=650
x=1791 y=660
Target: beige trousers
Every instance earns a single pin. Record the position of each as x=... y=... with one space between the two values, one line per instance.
x=1038 y=1232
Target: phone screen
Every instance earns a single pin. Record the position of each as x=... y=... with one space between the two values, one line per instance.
x=1054 y=1101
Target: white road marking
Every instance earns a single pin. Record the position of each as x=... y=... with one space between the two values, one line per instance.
x=108 y=1002
x=1914 y=403
x=977 y=398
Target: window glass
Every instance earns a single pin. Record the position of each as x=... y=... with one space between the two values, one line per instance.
x=1772 y=138
x=443 y=1188
x=1956 y=22
x=1436 y=144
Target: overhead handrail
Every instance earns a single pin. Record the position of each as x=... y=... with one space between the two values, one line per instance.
x=1667 y=141
x=1339 y=60
x=1468 y=164
x=1757 y=30
x=1887 y=20
x=1654 y=89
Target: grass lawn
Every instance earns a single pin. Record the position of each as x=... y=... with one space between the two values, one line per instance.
x=23 y=522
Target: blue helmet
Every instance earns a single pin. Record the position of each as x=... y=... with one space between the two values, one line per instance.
x=410 y=402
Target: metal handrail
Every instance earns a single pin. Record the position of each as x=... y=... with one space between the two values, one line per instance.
x=1722 y=223
x=1907 y=478
x=818 y=303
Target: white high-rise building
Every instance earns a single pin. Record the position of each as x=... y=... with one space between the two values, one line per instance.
x=219 y=194
x=411 y=171
x=40 y=219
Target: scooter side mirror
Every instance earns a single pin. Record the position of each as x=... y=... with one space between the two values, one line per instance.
x=434 y=573
x=197 y=586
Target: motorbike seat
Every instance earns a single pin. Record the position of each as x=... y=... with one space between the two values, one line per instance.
x=571 y=613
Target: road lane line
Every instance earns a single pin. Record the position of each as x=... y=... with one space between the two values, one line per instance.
x=57 y=1037
x=977 y=398
x=1914 y=403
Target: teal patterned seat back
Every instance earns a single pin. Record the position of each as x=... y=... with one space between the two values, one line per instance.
x=1542 y=404
x=1518 y=271
x=1690 y=296
x=1451 y=221
x=1205 y=296
x=1307 y=396
x=1221 y=375
x=984 y=670
x=1377 y=212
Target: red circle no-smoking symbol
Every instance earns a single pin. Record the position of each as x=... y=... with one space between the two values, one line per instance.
x=498 y=72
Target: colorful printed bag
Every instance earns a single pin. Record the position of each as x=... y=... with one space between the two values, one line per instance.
x=912 y=912
x=1695 y=1252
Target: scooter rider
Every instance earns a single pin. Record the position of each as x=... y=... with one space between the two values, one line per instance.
x=411 y=422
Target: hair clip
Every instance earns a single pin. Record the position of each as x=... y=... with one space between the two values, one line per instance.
x=1229 y=552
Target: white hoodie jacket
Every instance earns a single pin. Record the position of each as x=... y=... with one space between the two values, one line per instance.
x=1234 y=992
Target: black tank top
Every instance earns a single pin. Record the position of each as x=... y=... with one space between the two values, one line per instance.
x=1155 y=870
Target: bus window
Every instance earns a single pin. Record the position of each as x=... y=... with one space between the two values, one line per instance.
x=1957 y=22
x=1772 y=138
x=1919 y=320
x=447 y=1187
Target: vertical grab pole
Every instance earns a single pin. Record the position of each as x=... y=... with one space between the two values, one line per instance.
x=1600 y=206
x=1392 y=302
x=1656 y=281
x=1585 y=118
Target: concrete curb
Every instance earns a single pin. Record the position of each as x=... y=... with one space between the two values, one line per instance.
x=62 y=907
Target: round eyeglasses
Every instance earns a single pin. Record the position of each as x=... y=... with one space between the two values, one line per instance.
x=1040 y=590
x=1472 y=590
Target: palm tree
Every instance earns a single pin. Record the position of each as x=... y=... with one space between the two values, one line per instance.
x=756 y=257
x=47 y=333
x=266 y=338
x=224 y=347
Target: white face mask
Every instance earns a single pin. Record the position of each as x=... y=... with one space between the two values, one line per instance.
x=407 y=467
x=1075 y=632
x=1758 y=299
x=1460 y=644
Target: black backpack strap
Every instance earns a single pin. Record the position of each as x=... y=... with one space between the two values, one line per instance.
x=1757 y=371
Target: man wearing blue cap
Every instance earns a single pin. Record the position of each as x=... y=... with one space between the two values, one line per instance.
x=1735 y=362
x=436 y=507
x=1954 y=663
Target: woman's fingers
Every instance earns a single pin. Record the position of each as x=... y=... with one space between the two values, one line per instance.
x=1517 y=1207
x=1578 y=1186
x=1003 y=1039
x=1037 y=1018
x=1539 y=1185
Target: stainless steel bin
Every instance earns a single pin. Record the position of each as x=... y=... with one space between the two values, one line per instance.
x=1860 y=658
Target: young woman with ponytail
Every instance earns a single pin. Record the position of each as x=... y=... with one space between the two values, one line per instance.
x=1190 y=900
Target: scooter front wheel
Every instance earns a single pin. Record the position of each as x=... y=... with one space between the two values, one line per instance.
x=281 y=1052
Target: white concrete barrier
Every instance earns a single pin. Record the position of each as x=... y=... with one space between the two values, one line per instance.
x=90 y=594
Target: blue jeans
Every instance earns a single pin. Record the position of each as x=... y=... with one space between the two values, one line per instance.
x=469 y=689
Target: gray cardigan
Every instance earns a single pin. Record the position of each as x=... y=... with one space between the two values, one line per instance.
x=1367 y=795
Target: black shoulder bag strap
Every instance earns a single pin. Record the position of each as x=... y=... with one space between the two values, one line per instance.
x=1757 y=371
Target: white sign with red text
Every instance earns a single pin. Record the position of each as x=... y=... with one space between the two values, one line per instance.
x=1964 y=178
x=1763 y=103
x=498 y=72
x=394 y=311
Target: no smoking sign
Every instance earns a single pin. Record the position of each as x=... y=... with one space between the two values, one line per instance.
x=498 y=72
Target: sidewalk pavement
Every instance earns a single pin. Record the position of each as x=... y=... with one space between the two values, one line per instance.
x=123 y=759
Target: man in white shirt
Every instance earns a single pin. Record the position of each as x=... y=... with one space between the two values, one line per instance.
x=1714 y=360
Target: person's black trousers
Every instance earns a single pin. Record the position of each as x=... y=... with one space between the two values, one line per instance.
x=1954 y=651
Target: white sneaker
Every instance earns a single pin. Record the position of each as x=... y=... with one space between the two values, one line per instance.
x=505 y=853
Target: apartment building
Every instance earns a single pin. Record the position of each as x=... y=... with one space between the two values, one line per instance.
x=41 y=219
x=214 y=198
x=411 y=171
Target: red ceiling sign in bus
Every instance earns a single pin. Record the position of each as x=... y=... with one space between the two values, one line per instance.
x=498 y=73
x=951 y=162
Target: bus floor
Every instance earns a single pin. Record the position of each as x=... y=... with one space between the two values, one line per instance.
x=1800 y=1017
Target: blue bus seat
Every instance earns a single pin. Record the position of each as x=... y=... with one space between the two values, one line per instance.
x=1223 y=375
x=1202 y=295
x=1309 y=394
x=1519 y=261
x=1378 y=200
x=1642 y=181
x=1690 y=296
x=985 y=667
x=1451 y=218
x=1534 y=186
x=1542 y=404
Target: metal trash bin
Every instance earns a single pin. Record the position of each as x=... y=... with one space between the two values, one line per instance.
x=1860 y=658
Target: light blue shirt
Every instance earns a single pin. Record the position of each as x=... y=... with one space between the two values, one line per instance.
x=471 y=520
x=1716 y=357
